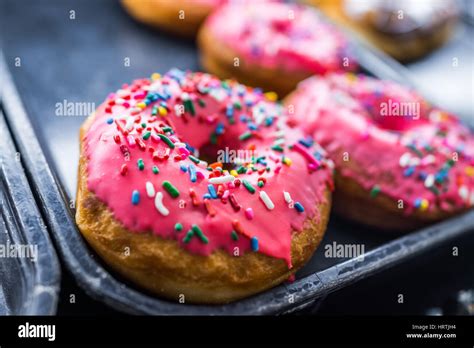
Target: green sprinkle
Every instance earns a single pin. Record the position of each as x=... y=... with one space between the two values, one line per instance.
x=241 y=170
x=277 y=148
x=234 y=236
x=154 y=110
x=146 y=135
x=140 y=164
x=261 y=183
x=155 y=170
x=166 y=140
x=173 y=191
x=167 y=129
x=143 y=125
x=194 y=159
x=238 y=105
x=434 y=189
x=189 y=106
x=188 y=236
x=213 y=138
x=245 y=136
x=201 y=103
x=178 y=227
x=375 y=191
x=200 y=234
x=415 y=150
x=248 y=186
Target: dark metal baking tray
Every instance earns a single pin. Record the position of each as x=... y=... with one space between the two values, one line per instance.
x=81 y=60
x=29 y=269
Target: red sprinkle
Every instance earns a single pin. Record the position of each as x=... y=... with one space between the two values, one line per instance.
x=124 y=169
x=233 y=202
x=140 y=144
x=210 y=210
x=194 y=198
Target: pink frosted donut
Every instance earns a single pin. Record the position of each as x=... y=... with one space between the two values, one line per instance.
x=400 y=162
x=214 y=232
x=271 y=44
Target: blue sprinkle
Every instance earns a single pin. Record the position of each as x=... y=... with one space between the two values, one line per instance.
x=422 y=175
x=135 y=197
x=189 y=148
x=244 y=118
x=206 y=196
x=269 y=121
x=220 y=128
x=110 y=120
x=417 y=203
x=183 y=168
x=441 y=176
x=212 y=191
x=299 y=207
x=252 y=126
x=308 y=142
x=409 y=171
x=254 y=243
x=229 y=111
x=192 y=173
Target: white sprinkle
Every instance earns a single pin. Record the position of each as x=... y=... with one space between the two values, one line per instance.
x=471 y=200
x=428 y=159
x=179 y=144
x=122 y=92
x=429 y=181
x=463 y=193
x=414 y=161
x=177 y=110
x=222 y=179
x=130 y=121
x=202 y=164
x=266 y=200
x=150 y=189
x=159 y=204
x=119 y=101
x=287 y=197
x=404 y=159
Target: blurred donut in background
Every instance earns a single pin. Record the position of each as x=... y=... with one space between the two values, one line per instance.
x=404 y=29
x=182 y=17
x=272 y=45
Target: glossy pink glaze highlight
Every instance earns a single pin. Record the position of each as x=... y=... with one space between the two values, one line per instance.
x=217 y=113
x=276 y=35
x=400 y=153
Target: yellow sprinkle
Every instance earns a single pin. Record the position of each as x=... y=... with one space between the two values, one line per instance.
x=351 y=76
x=272 y=96
x=162 y=111
x=469 y=171
x=155 y=76
x=233 y=172
x=287 y=161
x=141 y=105
x=424 y=204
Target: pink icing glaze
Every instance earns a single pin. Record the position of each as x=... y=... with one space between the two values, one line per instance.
x=399 y=153
x=223 y=112
x=281 y=36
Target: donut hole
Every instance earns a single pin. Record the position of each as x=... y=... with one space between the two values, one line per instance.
x=229 y=157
